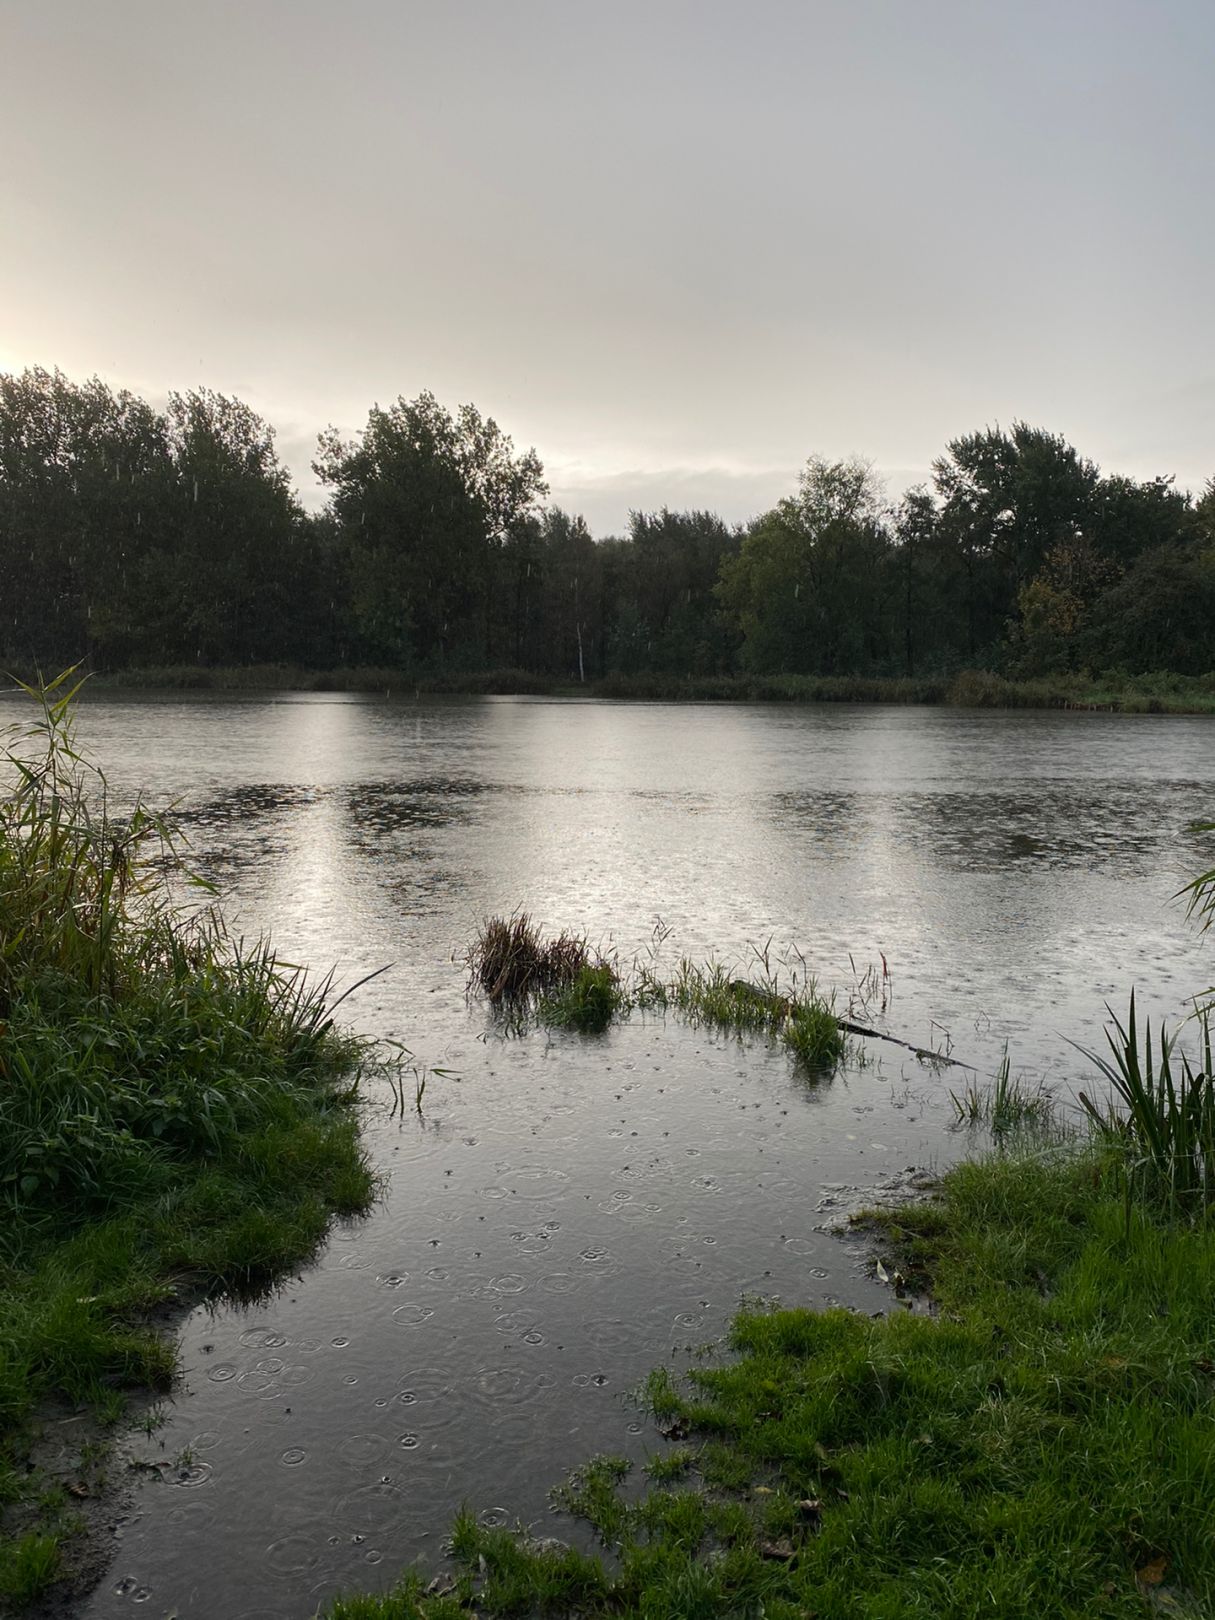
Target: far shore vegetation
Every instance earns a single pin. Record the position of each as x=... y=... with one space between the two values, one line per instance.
x=1113 y=692
x=176 y=1120
x=167 y=546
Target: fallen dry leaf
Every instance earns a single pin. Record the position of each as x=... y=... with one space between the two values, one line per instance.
x=1152 y=1573
x=780 y=1550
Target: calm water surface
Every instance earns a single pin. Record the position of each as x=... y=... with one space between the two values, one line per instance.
x=569 y=1213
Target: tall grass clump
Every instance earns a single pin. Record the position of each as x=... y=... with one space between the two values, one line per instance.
x=174 y=1105
x=511 y=960
x=135 y=1036
x=1161 y=1113
x=588 y=1003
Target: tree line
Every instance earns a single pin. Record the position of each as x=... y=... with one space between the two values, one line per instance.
x=135 y=537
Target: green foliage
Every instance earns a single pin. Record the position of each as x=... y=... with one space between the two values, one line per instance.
x=592 y=1493
x=1162 y=1114
x=1009 y=1104
x=562 y=984
x=130 y=535
x=800 y=589
x=1158 y=615
x=664 y=616
x=812 y=1033
x=588 y=1003
x=160 y=539
x=423 y=503
x=133 y=1037
x=28 y=1566
x=797 y=1016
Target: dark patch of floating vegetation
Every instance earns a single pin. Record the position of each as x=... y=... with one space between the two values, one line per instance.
x=1041 y=1443
x=174 y=1112
x=562 y=982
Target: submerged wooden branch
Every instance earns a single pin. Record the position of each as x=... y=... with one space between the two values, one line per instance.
x=919 y=1051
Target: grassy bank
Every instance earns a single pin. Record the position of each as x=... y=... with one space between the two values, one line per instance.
x=1042 y=1444
x=175 y=1119
x=1161 y=693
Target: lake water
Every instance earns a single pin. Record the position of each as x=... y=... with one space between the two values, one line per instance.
x=569 y=1212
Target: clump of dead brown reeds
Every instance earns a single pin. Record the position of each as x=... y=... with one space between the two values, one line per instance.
x=511 y=960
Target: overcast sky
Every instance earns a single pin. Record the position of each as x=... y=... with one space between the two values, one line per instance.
x=678 y=247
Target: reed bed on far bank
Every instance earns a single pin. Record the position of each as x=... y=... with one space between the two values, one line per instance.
x=1161 y=692
x=174 y=1109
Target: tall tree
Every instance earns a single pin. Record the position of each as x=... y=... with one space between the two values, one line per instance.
x=230 y=577
x=85 y=478
x=805 y=590
x=425 y=503
x=1008 y=498
x=668 y=616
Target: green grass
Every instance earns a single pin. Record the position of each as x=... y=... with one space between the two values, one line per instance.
x=28 y=1566
x=588 y=1003
x=1044 y=1444
x=796 y=1016
x=175 y=1111
x=1008 y=1104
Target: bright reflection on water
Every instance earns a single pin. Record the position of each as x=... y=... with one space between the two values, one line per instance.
x=569 y=1213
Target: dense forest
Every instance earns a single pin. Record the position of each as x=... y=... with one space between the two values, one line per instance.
x=133 y=537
